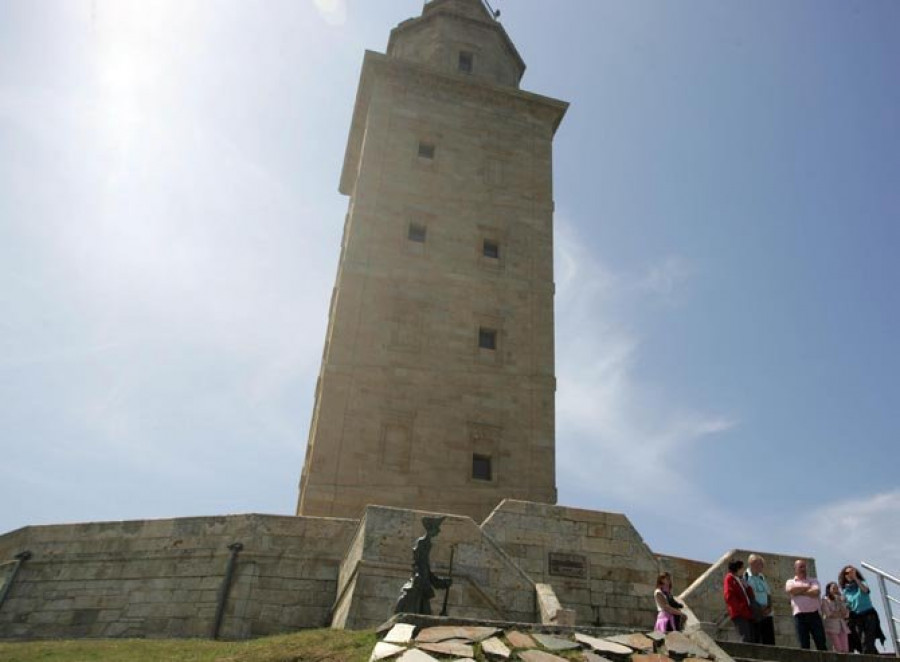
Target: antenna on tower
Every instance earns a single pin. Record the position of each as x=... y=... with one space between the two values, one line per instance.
x=494 y=12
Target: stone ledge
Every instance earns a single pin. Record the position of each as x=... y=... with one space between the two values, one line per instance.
x=785 y=654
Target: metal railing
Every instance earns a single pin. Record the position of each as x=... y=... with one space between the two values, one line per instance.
x=888 y=600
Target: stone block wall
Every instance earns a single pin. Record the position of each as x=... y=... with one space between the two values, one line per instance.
x=438 y=43
x=161 y=578
x=705 y=596
x=684 y=571
x=596 y=562
x=487 y=584
x=408 y=398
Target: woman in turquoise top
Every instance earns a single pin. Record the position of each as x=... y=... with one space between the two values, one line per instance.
x=864 y=621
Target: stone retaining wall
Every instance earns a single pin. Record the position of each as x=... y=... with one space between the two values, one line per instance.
x=161 y=578
x=487 y=583
x=596 y=562
x=684 y=571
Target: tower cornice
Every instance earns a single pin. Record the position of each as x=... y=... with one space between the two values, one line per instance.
x=436 y=13
x=379 y=67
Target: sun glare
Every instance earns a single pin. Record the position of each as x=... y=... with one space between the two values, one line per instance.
x=132 y=50
x=333 y=11
x=136 y=115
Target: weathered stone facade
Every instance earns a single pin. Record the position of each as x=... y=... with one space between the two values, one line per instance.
x=487 y=583
x=597 y=562
x=437 y=384
x=164 y=578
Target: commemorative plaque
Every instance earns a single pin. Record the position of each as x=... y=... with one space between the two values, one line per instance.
x=568 y=565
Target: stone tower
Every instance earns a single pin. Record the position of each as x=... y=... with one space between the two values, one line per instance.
x=436 y=390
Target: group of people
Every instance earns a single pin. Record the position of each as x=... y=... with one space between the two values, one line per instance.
x=749 y=600
x=844 y=615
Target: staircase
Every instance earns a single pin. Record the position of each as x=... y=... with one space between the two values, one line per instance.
x=757 y=653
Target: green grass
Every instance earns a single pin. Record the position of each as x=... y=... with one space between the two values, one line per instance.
x=307 y=646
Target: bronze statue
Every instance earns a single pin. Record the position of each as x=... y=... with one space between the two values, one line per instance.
x=415 y=597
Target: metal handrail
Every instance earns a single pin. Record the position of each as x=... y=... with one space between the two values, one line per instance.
x=887 y=599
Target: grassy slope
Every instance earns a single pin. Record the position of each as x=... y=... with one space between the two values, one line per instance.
x=306 y=646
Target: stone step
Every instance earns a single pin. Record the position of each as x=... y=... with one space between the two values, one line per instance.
x=741 y=652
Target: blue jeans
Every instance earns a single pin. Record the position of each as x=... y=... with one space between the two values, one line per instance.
x=810 y=623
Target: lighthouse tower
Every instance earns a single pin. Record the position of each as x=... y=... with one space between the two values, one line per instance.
x=436 y=390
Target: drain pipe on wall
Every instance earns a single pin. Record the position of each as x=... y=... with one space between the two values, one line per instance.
x=235 y=547
x=21 y=557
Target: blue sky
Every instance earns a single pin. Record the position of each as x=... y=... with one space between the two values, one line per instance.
x=727 y=196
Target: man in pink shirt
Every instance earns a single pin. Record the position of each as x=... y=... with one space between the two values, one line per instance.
x=805 y=598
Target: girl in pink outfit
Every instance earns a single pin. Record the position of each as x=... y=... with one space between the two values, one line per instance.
x=834 y=617
x=666 y=615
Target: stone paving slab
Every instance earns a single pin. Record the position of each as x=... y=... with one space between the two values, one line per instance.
x=466 y=633
x=603 y=646
x=384 y=650
x=590 y=656
x=519 y=639
x=495 y=647
x=400 y=633
x=453 y=647
x=678 y=644
x=552 y=643
x=502 y=643
x=415 y=655
x=639 y=642
x=540 y=656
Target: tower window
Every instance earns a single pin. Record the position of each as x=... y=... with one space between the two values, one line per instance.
x=426 y=150
x=491 y=249
x=487 y=338
x=481 y=467
x=466 y=62
x=416 y=232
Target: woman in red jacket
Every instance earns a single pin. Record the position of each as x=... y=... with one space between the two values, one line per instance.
x=739 y=598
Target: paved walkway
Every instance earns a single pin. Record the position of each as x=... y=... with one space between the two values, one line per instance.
x=408 y=638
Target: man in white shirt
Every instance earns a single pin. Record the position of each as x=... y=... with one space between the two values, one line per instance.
x=806 y=596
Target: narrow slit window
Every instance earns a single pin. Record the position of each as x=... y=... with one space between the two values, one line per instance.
x=426 y=151
x=491 y=249
x=466 y=62
x=487 y=338
x=417 y=232
x=481 y=467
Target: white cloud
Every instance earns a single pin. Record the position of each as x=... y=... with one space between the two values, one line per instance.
x=862 y=529
x=849 y=531
x=609 y=423
x=666 y=279
x=333 y=11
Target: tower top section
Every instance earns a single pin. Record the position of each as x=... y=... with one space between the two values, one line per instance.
x=459 y=36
